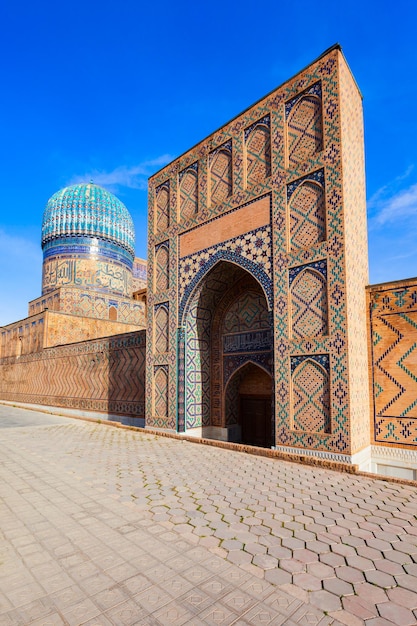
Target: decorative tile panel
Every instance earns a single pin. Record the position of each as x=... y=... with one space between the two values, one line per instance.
x=221 y=176
x=162 y=267
x=304 y=125
x=307 y=212
x=162 y=195
x=188 y=192
x=258 y=151
x=308 y=302
x=310 y=396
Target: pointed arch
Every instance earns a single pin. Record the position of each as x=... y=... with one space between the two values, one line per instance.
x=162 y=199
x=235 y=259
x=309 y=312
x=307 y=216
x=258 y=154
x=161 y=277
x=160 y=389
x=188 y=194
x=161 y=328
x=209 y=357
x=220 y=175
x=310 y=397
x=304 y=129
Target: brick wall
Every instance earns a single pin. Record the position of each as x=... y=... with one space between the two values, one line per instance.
x=393 y=363
x=105 y=375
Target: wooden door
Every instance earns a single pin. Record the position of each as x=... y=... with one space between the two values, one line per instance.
x=255 y=415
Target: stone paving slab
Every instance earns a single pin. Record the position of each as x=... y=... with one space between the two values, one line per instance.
x=106 y=526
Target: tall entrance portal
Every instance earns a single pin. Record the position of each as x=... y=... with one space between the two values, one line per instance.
x=258 y=268
x=229 y=358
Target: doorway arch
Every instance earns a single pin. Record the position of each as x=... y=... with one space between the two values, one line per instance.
x=226 y=324
x=249 y=404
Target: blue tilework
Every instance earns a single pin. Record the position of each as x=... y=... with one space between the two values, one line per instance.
x=87 y=210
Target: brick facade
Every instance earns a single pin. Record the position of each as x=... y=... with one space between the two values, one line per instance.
x=276 y=197
x=105 y=375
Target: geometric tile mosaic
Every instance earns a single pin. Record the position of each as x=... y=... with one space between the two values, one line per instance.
x=309 y=304
x=252 y=250
x=221 y=174
x=304 y=124
x=188 y=184
x=162 y=266
x=310 y=397
x=307 y=215
x=258 y=151
x=162 y=206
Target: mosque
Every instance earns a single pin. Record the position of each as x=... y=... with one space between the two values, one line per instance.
x=252 y=320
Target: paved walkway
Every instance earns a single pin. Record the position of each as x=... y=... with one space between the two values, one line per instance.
x=106 y=526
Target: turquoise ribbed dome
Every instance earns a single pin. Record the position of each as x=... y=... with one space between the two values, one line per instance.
x=87 y=210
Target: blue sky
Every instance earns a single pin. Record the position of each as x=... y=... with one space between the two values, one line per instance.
x=113 y=91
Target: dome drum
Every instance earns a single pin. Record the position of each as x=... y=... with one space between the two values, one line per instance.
x=87 y=247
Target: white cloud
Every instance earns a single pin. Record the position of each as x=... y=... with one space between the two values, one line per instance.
x=133 y=176
x=394 y=202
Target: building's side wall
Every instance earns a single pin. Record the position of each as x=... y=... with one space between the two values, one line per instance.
x=90 y=303
x=53 y=328
x=311 y=342
x=356 y=255
x=139 y=274
x=24 y=336
x=63 y=328
x=105 y=375
x=393 y=363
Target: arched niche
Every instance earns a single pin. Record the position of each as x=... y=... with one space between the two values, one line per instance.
x=307 y=216
x=161 y=329
x=248 y=405
x=161 y=282
x=309 y=314
x=162 y=208
x=310 y=398
x=188 y=194
x=220 y=176
x=258 y=154
x=304 y=130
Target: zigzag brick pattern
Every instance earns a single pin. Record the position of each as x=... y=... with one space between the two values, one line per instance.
x=394 y=360
x=104 y=375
